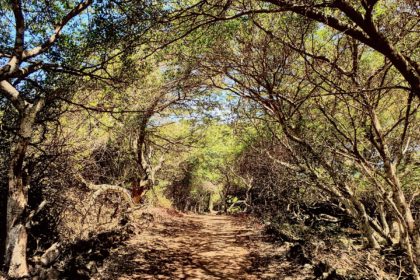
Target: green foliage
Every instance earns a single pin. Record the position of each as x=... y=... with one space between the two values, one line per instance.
x=216 y=149
x=273 y=97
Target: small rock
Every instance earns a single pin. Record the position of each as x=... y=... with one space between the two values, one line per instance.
x=307 y=266
x=91 y=266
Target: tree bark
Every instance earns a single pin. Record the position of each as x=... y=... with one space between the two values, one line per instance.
x=210 y=204
x=16 y=236
x=17 y=198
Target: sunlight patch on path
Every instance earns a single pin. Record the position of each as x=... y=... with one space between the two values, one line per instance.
x=195 y=247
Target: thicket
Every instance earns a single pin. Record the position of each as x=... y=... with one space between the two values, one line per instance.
x=309 y=112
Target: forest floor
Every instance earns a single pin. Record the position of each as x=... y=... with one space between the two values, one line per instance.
x=200 y=247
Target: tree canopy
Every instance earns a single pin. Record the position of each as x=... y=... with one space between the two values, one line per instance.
x=263 y=107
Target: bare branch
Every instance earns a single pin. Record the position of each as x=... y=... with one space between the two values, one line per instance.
x=20 y=28
x=12 y=95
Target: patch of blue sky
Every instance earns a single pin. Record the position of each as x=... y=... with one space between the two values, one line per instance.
x=216 y=106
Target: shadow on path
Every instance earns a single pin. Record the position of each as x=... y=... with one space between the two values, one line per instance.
x=191 y=247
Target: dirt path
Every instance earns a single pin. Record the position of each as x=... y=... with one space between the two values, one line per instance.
x=195 y=247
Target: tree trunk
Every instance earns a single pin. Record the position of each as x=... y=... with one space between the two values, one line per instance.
x=210 y=204
x=17 y=200
x=3 y=221
x=382 y=217
x=187 y=206
x=417 y=246
x=367 y=229
x=16 y=239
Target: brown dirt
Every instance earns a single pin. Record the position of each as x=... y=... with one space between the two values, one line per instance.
x=199 y=247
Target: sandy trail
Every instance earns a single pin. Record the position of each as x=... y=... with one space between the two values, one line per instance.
x=189 y=247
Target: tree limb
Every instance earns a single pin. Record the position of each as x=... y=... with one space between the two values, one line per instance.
x=57 y=31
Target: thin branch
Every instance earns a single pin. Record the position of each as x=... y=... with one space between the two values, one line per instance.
x=57 y=31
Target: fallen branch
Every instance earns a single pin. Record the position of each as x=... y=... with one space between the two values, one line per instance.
x=50 y=255
x=34 y=213
x=105 y=189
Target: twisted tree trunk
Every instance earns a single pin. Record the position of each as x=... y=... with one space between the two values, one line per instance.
x=18 y=183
